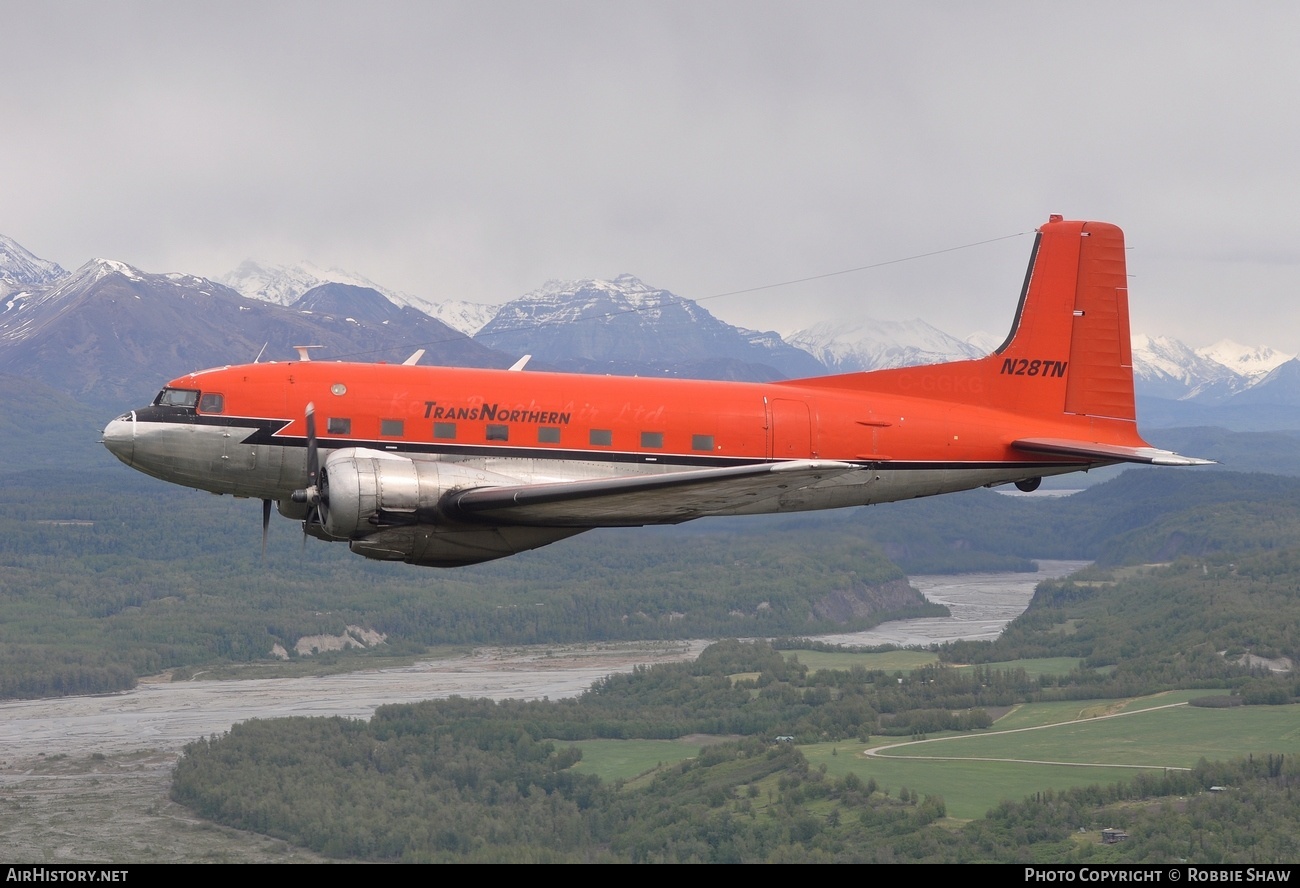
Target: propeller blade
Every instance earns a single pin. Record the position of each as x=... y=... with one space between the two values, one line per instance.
x=313 y=455
x=311 y=494
x=314 y=494
x=266 y=524
x=323 y=497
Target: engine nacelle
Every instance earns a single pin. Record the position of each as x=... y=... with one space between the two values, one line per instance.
x=367 y=490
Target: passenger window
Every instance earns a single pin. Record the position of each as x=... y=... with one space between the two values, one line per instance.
x=701 y=442
x=391 y=428
x=444 y=430
x=601 y=437
x=652 y=440
x=548 y=435
x=498 y=432
x=211 y=402
x=338 y=426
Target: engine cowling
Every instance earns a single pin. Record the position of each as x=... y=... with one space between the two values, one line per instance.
x=365 y=491
x=386 y=506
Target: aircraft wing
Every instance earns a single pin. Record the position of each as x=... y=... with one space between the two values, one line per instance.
x=1092 y=450
x=641 y=499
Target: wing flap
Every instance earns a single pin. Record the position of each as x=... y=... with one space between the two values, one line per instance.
x=628 y=501
x=1096 y=451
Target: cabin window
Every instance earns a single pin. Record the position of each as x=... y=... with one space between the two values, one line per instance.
x=548 y=435
x=337 y=426
x=211 y=402
x=446 y=430
x=702 y=442
x=391 y=428
x=601 y=437
x=497 y=432
x=177 y=398
x=652 y=440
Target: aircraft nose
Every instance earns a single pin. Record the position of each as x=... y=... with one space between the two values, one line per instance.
x=119 y=437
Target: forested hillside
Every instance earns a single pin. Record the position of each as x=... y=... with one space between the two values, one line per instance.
x=1193 y=623
x=473 y=780
x=106 y=578
x=1142 y=515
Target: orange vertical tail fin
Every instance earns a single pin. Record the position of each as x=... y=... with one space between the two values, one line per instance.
x=1075 y=306
x=1072 y=324
x=1063 y=379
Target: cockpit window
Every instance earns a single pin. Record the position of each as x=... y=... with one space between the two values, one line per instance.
x=211 y=402
x=170 y=397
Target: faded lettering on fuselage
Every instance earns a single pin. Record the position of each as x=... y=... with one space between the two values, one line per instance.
x=945 y=385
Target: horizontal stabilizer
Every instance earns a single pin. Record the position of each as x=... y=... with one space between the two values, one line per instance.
x=1093 y=450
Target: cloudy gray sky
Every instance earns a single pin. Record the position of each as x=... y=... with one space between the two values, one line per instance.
x=473 y=150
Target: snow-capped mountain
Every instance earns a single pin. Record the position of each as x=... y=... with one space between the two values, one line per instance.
x=285 y=284
x=1279 y=387
x=106 y=327
x=110 y=333
x=847 y=346
x=364 y=307
x=30 y=311
x=626 y=326
x=1164 y=367
x=22 y=275
x=98 y=329
x=467 y=317
x=20 y=269
x=1252 y=362
x=984 y=343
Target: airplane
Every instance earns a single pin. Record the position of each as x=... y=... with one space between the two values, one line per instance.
x=444 y=466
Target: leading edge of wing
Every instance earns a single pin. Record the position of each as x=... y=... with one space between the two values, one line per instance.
x=1093 y=450
x=633 y=500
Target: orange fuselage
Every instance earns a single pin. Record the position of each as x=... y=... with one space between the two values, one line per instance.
x=447 y=466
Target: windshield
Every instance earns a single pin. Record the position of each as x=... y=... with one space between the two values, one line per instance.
x=170 y=397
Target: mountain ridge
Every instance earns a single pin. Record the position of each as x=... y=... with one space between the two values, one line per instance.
x=621 y=325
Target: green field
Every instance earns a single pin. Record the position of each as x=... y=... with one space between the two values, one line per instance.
x=969 y=789
x=1040 y=666
x=1173 y=737
x=1176 y=737
x=1098 y=749
x=1033 y=715
x=890 y=661
x=907 y=660
x=626 y=759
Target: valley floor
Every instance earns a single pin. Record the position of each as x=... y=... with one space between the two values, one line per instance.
x=86 y=779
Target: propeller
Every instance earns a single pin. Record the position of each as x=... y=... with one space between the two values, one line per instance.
x=316 y=493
